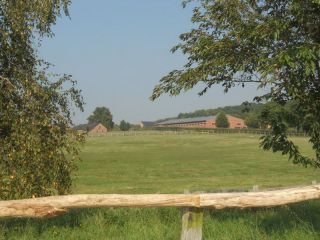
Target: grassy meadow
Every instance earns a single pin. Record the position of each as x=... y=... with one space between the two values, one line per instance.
x=170 y=163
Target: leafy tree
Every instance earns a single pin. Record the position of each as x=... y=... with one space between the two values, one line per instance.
x=246 y=107
x=102 y=115
x=296 y=115
x=37 y=149
x=124 y=126
x=274 y=44
x=289 y=114
x=307 y=122
x=222 y=120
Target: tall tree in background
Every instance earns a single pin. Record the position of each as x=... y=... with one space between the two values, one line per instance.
x=35 y=114
x=102 y=115
x=272 y=43
x=222 y=120
x=252 y=120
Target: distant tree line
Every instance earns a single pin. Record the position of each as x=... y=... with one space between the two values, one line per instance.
x=289 y=115
x=237 y=111
x=257 y=115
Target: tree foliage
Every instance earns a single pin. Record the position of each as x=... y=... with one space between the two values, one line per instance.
x=274 y=43
x=222 y=120
x=102 y=115
x=37 y=148
x=252 y=121
x=124 y=126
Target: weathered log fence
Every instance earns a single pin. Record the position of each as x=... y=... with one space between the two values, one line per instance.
x=192 y=203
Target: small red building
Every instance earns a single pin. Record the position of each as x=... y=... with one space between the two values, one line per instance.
x=92 y=128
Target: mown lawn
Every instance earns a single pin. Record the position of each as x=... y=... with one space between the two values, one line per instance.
x=173 y=163
x=170 y=164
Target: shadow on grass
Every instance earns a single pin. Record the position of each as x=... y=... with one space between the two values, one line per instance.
x=70 y=220
x=270 y=222
x=79 y=219
x=282 y=219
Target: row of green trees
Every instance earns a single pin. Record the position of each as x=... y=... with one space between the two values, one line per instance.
x=289 y=114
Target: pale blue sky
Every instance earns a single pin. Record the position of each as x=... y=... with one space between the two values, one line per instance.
x=118 y=51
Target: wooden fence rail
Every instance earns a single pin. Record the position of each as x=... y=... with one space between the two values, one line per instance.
x=57 y=205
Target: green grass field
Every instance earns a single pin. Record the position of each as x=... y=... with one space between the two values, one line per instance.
x=171 y=164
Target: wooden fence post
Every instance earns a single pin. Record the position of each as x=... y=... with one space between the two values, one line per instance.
x=255 y=188
x=192 y=220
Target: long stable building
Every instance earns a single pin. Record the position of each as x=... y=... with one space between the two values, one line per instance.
x=201 y=122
